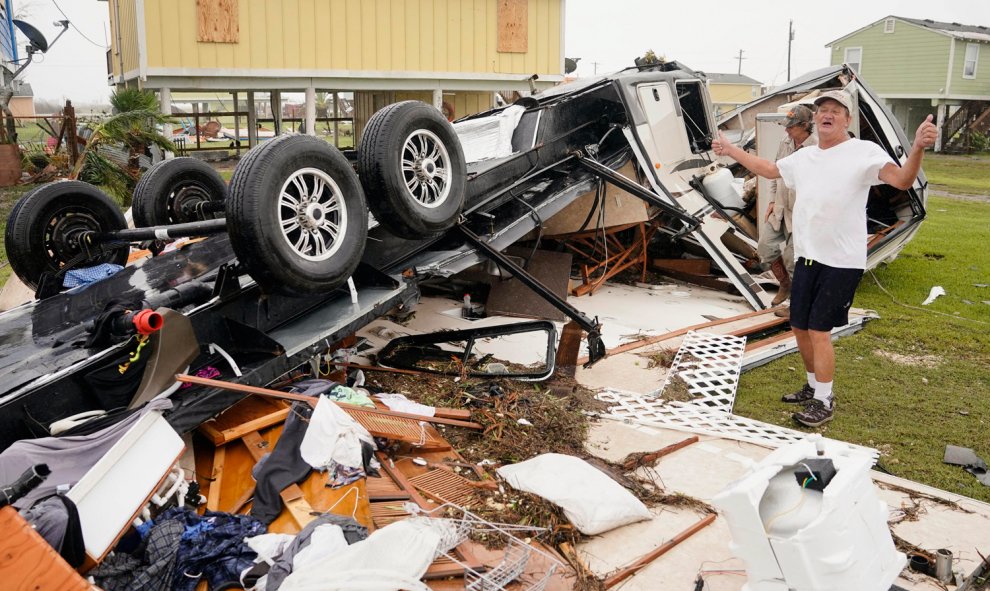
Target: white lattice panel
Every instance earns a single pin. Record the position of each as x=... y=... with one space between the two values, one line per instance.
x=710 y=365
x=693 y=418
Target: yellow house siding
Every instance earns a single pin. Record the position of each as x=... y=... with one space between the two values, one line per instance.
x=128 y=28
x=732 y=93
x=361 y=36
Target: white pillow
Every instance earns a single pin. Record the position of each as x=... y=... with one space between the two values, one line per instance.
x=591 y=500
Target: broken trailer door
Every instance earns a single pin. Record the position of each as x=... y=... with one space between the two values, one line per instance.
x=661 y=142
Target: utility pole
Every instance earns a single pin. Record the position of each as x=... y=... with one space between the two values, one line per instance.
x=740 y=58
x=595 y=65
x=790 y=39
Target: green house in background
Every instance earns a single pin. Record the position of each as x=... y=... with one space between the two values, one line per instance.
x=924 y=66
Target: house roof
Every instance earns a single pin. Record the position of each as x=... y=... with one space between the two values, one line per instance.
x=22 y=88
x=716 y=78
x=956 y=30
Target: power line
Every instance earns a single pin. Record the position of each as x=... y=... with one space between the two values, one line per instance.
x=71 y=24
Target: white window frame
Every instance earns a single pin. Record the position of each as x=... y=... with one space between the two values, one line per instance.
x=888 y=25
x=846 y=60
x=975 y=60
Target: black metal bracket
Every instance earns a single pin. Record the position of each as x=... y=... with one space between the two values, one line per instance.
x=596 y=347
x=629 y=186
x=227 y=283
x=391 y=354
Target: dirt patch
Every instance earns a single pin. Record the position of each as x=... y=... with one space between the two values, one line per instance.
x=960 y=196
x=915 y=360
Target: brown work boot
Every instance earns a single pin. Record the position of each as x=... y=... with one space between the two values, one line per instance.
x=780 y=274
x=784 y=313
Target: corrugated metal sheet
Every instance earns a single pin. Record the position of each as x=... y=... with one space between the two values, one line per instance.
x=358 y=36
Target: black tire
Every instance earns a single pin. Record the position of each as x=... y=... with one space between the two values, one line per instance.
x=44 y=226
x=170 y=191
x=288 y=244
x=412 y=168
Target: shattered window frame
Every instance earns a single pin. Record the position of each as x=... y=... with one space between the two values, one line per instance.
x=696 y=112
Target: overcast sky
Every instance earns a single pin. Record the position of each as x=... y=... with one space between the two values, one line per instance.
x=704 y=35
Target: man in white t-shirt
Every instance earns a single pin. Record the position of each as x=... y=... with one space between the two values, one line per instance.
x=832 y=181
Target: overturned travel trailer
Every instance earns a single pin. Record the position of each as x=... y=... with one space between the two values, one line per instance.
x=272 y=288
x=291 y=266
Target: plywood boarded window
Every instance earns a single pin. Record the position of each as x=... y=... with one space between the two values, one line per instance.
x=513 y=26
x=217 y=21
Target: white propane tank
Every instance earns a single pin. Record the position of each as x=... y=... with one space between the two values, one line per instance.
x=718 y=184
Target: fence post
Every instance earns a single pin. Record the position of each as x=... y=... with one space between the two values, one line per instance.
x=69 y=125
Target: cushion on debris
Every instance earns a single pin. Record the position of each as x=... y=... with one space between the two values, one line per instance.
x=591 y=500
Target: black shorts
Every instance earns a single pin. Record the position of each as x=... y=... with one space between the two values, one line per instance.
x=821 y=295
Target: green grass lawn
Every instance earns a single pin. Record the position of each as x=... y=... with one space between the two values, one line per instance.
x=917 y=378
x=959 y=174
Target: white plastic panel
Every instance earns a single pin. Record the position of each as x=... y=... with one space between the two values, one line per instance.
x=117 y=487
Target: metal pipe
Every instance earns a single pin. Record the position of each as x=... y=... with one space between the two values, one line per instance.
x=186 y=230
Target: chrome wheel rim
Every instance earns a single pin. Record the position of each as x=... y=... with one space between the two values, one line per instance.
x=426 y=168
x=312 y=214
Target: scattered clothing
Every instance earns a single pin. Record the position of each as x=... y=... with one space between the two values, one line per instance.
x=209 y=372
x=333 y=437
x=212 y=547
x=150 y=568
x=77 y=277
x=56 y=519
x=281 y=468
x=283 y=565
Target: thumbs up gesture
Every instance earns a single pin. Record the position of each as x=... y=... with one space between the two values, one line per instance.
x=926 y=134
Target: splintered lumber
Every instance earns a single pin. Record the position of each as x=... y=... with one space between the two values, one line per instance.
x=645 y=342
x=634 y=461
x=628 y=571
x=312 y=401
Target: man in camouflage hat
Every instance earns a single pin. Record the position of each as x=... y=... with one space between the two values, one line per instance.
x=776 y=244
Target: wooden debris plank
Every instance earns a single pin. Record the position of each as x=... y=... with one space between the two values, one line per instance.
x=628 y=571
x=385 y=489
x=681 y=332
x=312 y=401
x=444 y=486
x=248 y=415
x=652 y=457
x=216 y=482
x=386 y=512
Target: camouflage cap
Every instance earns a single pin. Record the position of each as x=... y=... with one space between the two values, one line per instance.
x=798 y=115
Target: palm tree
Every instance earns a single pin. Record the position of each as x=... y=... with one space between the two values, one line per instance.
x=133 y=125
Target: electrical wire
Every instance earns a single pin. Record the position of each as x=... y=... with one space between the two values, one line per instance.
x=796 y=506
x=71 y=24
x=893 y=299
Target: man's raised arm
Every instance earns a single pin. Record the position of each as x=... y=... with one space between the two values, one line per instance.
x=903 y=177
x=760 y=166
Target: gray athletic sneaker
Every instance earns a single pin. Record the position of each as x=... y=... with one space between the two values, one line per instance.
x=815 y=413
x=805 y=394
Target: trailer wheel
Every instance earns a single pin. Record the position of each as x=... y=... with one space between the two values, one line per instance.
x=412 y=168
x=296 y=215
x=175 y=191
x=45 y=229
